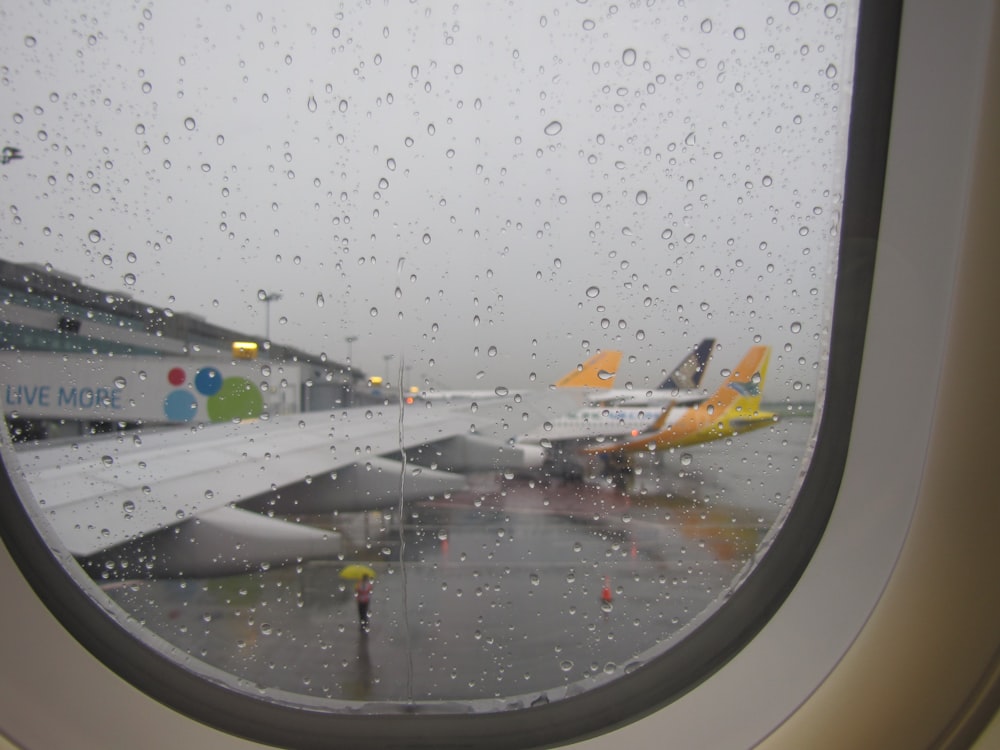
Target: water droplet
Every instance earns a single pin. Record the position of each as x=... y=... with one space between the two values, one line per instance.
x=597 y=197
x=501 y=390
x=120 y=382
x=740 y=33
x=686 y=459
x=766 y=180
x=553 y=128
x=830 y=10
x=94 y=235
x=566 y=665
x=373 y=312
x=311 y=104
x=706 y=26
x=426 y=238
x=796 y=327
x=593 y=291
x=628 y=57
x=535 y=579
x=129 y=507
x=189 y=123
x=320 y=300
x=831 y=71
x=641 y=197
x=30 y=41
x=794 y=7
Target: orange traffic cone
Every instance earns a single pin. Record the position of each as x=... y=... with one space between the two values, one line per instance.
x=606 y=590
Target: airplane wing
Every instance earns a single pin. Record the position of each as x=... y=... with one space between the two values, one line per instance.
x=101 y=493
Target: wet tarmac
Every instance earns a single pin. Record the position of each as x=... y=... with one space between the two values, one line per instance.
x=517 y=587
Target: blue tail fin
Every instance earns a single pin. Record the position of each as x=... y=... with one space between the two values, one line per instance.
x=688 y=374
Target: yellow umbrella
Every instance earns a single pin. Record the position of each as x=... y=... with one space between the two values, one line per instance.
x=356 y=572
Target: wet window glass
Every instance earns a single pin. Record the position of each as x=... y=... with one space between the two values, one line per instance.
x=416 y=353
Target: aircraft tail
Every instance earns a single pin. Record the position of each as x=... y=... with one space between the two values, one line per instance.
x=689 y=372
x=732 y=410
x=597 y=372
x=747 y=383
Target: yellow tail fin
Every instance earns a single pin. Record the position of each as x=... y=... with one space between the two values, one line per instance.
x=741 y=391
x=597 y=372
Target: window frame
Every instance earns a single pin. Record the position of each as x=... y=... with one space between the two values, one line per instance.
x=663 y=679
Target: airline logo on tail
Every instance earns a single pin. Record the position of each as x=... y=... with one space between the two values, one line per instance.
x=748 y=388
x=732 y=410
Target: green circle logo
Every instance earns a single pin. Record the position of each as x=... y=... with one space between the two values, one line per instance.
x=237 y=398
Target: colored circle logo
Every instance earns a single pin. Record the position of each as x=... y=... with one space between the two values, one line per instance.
x=208 y=381
x=180 y=406
x=226 y=399
x=176 y=376
x=237 y=398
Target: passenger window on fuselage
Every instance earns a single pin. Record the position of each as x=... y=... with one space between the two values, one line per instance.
x=325 y=267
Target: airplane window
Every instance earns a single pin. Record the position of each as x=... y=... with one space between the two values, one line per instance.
x=374 y=363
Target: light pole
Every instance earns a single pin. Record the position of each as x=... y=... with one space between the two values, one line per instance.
x=350 y=369
x=350 y=340
x=267 y=299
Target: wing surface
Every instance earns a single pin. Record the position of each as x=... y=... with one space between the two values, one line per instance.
x=100 y=493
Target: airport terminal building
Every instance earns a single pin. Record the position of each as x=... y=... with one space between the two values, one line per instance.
x=77 y=360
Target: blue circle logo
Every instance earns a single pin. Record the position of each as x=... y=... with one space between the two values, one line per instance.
x=208 y=381
x=180 y=406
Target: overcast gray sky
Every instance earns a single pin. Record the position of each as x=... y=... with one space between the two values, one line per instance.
x=483 y=190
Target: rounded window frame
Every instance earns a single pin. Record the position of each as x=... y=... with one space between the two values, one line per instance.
x=666 y=677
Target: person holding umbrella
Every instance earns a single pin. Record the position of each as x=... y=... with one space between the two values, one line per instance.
x=362 y=590
x=363 y=593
